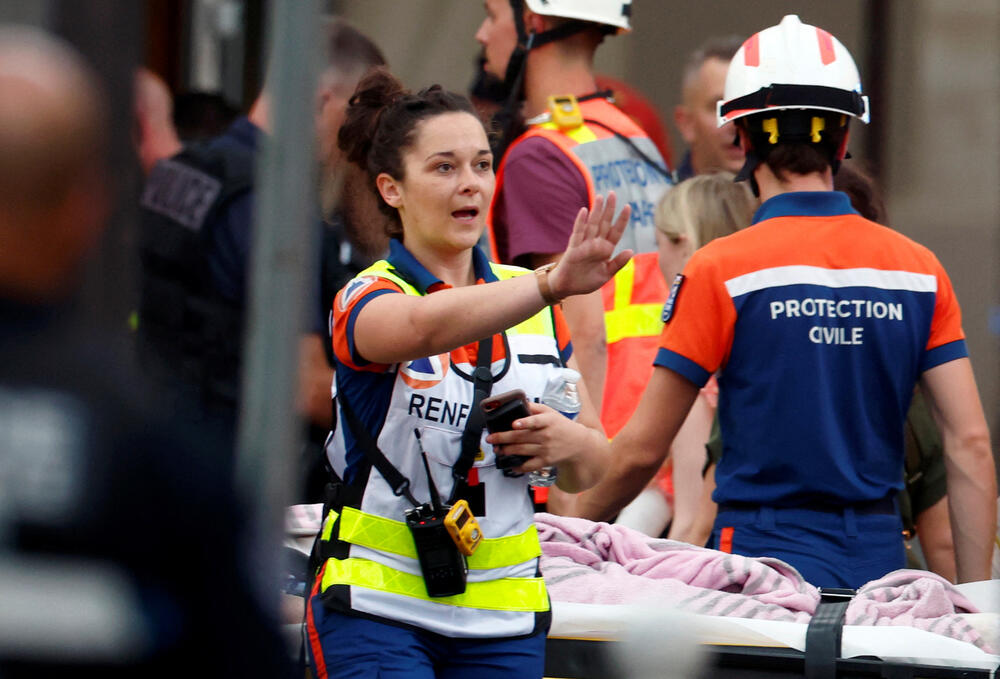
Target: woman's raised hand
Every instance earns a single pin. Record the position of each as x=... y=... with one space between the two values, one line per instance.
x=587 y=264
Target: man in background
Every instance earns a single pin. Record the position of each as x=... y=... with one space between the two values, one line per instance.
x=198 y=209
x=710 y=147
x=813 y=402
x=569 y=153
x=155 y=135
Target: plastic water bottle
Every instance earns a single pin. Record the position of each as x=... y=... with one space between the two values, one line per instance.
x=560 y=394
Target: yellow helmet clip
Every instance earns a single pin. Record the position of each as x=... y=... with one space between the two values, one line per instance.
x=818 y=125
x=770 y=125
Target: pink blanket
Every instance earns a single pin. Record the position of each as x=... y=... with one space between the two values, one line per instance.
x=587 y=562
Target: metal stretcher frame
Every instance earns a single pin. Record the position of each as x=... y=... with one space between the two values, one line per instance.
x=570 y=658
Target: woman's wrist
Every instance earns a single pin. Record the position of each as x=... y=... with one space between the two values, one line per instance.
x=543 y=276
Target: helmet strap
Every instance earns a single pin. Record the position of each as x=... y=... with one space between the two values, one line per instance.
x=750 y=163
x=508 y=120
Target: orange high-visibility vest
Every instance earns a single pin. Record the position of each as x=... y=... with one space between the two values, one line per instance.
x=633 y=307
x=634 y=298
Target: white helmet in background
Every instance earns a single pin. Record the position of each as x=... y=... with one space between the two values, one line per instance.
x=609 y=12
x=792 y=66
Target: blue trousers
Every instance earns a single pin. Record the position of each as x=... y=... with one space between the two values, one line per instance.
x=347 y=647
x=829 y=549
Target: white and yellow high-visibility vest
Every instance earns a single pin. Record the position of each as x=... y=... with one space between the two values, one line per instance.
x=379 y=574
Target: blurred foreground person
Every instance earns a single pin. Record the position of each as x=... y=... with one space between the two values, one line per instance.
x=117 y=550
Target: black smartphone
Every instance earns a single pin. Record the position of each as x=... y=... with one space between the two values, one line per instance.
x=500 y=411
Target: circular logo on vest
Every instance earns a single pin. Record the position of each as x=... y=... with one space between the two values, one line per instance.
x=425 y=373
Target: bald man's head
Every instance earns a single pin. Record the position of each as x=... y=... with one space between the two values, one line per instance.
x=51 y=118
x=155 y=135
x=52 y=159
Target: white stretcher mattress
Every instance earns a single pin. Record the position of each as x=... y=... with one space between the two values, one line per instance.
x=890 y=643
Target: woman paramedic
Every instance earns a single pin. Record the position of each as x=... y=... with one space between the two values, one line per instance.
x=390 y=599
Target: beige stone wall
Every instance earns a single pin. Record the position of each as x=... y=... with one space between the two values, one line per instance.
x=943 y=155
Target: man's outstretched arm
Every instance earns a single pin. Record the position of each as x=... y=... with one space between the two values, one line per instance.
x=640 y=448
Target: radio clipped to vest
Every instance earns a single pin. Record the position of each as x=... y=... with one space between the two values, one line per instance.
x=443 y=536
x=565 y=111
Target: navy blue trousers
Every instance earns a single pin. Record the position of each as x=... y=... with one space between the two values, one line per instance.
x=829 y=549
x=348 y=647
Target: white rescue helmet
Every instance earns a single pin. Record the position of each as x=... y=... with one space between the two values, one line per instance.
x=792 y=66
x=609 y=12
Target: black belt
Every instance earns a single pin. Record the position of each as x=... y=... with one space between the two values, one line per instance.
x=885 y=505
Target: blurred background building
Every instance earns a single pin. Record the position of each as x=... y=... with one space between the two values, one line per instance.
x=931 y=67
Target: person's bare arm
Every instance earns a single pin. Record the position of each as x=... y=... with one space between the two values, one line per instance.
x=934 y=531
x=585 y=317
x=394 y=328
x=315 y=378
x=688 y=454
x=640 y=448
x=972 y=489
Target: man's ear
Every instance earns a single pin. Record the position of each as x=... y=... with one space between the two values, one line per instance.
x=533 y=23
x=684 y=122
x=389 y=189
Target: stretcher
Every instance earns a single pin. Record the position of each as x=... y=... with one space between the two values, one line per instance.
x=589 y=641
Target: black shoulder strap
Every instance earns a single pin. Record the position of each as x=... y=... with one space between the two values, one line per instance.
x=400 y=484
x=639 y=152
x=482 y=379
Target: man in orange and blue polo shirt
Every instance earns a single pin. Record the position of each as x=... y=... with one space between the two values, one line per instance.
x=818 y=323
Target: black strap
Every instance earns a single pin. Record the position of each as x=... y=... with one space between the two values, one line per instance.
x=631 y=144
x=808 y=96
x=566 y=30
x=824 y=633
x=482 y=380
x=400 y=484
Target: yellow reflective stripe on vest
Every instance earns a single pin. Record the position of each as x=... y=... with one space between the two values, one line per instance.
x=627 y=319
x=387 y=535
x=540 y=323
x=581 y=135
x=624 y=282
x=331 y=518
x=635 y=320
x=505 y=594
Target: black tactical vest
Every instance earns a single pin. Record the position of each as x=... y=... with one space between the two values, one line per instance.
x=188 y=333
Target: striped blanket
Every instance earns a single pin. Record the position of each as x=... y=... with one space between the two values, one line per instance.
x=587 y=562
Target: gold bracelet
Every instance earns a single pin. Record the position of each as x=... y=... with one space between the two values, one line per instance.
x=542 y=276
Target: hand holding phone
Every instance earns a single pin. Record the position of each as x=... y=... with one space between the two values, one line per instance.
x=500 y=411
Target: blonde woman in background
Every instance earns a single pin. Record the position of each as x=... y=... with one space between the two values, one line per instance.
x=692 y=214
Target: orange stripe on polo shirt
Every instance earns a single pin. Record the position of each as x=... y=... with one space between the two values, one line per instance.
x=314 y=642
x=703 y=318
x=726 y=539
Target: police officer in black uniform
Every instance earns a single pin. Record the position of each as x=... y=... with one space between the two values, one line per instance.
x=197 y=209
x=118 y=555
